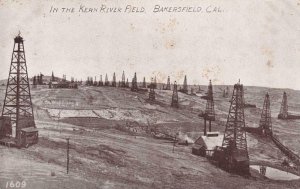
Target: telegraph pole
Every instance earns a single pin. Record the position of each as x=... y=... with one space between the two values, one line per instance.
x=68 y=144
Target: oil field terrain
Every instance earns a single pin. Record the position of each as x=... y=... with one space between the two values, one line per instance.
x=120 y=139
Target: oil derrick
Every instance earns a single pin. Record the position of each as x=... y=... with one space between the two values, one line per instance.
x=174 y=102
x=265 y=122
x=185 y=87
x=34 y=82
x=144 y=83
x=40 y=79
x=283 y=114
x=134 y=86
x=100 y=82
x=152 y=92
x=52 y=77
x=123 y=83
x=95 y=81
x=114 y=83
x=168 y=87
x=235 y=157
x=17 y=103
x=127 y=84
x=209 y=114
x=106 y=83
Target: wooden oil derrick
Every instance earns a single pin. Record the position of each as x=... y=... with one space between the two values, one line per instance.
x=106 y=83
x=168 y=87
x=283 y=114
x=17 y=102
x=209 y=113
x=127 y=83
x=174 y=102
x=114 y=83
x=100 y=81
x=265 y=122
x=152 y=91
x=185 y=87
x=123 y=83
x=134 y=86
x=34 y=82
x=234 y=156
x=95 y=81
x=52 y=77
x=144 y=83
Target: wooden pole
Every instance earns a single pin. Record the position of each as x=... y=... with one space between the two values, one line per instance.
x=68 y=143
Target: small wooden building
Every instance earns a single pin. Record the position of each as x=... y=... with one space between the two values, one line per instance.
x=29 y=136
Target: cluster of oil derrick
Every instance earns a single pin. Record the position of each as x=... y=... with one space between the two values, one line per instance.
x=100 y=83
x=144 y=83
x=174 y=102
x=114 y=82
x=89 y=81
x=152 y=91
x=106 y=82
x=185 y=86
x=265 y=123
x=209 y=113
x=38 y=80
x=233 y=155
x=17 y=105
x=134 y=86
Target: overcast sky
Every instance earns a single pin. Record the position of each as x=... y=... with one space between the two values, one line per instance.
x=257 y=41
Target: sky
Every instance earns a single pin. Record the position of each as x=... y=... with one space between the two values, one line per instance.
x=255 y=41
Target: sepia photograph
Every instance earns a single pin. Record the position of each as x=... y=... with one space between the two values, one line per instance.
x=139 y=94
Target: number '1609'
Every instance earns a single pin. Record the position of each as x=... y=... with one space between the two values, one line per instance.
x=17 y=184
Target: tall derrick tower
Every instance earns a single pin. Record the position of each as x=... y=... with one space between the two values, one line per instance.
x=234 y=142
x=185 y=87
x=174 y=102
x=100 y=81
x=265 y=122
x=123 y=83
x=17 y=102
x=209 y=114
x=114 y=83
x=168 y=84
x=283 y=114
x=127 y=83
x=106 y=83
x=134 y=86
x=152 y=92
x=34 y=82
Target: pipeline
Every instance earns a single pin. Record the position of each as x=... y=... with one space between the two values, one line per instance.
x=294 y=157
